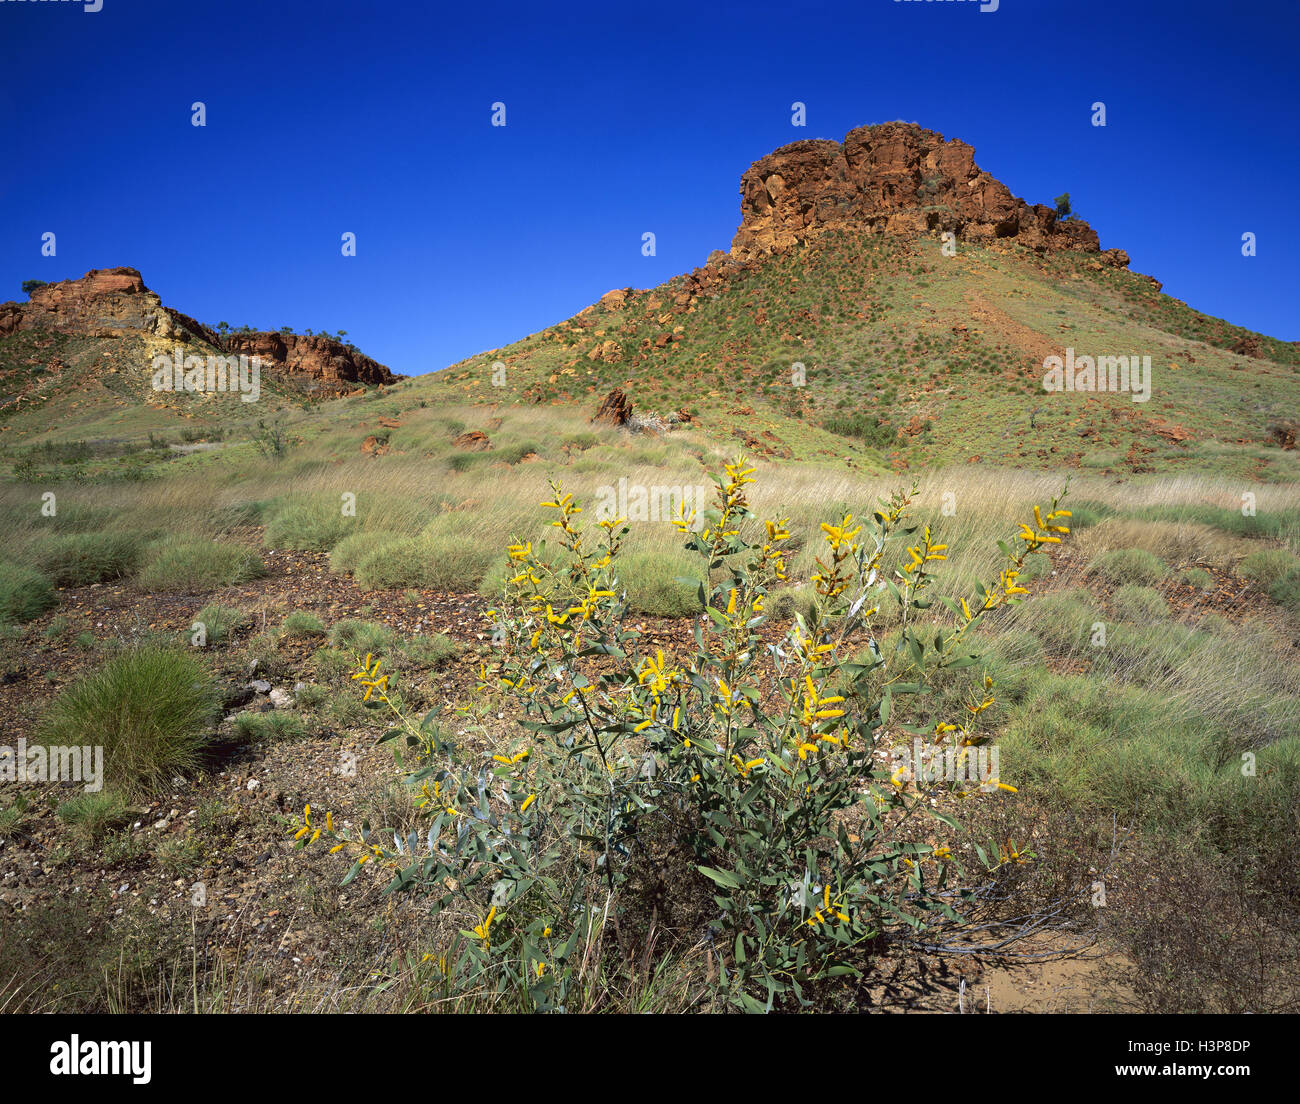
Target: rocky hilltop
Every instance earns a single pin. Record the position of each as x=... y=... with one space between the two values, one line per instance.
x=115 y=303
x=892 y=178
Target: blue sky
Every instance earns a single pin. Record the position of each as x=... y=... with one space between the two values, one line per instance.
x=327 y=117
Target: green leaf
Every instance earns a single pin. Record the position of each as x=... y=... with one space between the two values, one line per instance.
x=724 y=878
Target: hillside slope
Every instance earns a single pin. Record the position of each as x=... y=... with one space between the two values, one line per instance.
x=839 y=309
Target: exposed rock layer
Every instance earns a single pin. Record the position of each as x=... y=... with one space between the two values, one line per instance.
x=114 y=302
x=892 y=178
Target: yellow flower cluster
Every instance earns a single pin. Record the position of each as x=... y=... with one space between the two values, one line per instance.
x=371 y=679
x=829 y=910
x=924 y=553
x=1045 y=529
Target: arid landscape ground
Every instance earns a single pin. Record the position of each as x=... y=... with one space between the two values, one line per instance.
x=385 y=724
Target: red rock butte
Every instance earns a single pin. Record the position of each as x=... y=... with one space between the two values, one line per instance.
x=893 y=178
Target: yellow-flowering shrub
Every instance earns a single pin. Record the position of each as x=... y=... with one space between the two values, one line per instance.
x=779 y=816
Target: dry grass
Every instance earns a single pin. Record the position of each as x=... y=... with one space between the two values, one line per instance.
x=1178 y=543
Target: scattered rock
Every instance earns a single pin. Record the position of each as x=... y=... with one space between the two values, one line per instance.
x=615 y=408
x=473 y=441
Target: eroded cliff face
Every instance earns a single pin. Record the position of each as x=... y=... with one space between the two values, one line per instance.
x=114 y=303
x=321 y=359
x=892 y=178
x=106 y=302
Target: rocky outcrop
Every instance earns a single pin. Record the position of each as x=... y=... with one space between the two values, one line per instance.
x=615 y=408
x=893 y=178
x=473 y=441
x=114 y=303
x=323 y=360
x=106 y=302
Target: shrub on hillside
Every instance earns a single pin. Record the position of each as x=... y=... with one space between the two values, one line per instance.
x=1267 y=565
x=151 y=709
x=219 y=622
x=1140 y=603
x=645 y=792
x=353 y=548
x=80 y=559
x=24 y=594
x=1128 y=565
x=361 y=636
x=442 y=562
x=654 y=583
x=190 y=566
x=269 y=726
x=1286 y=591
x=300 y=623
x=93 y=815
x=312 y=526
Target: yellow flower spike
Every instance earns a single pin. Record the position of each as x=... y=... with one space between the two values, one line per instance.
x=484 y=930
x=524 y=807
x=541 y=968
x=329 y=822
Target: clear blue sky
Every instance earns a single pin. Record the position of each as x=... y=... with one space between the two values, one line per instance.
x=374 y=118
